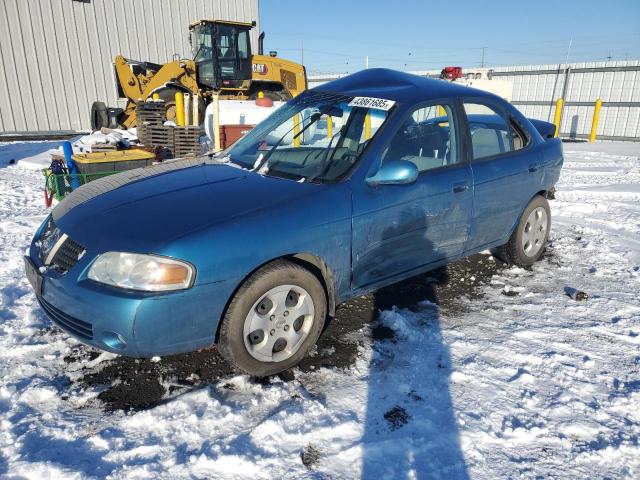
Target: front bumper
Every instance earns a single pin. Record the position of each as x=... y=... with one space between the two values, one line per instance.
x=135 y=324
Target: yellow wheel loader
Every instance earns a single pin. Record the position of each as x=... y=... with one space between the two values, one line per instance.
x=222 y=65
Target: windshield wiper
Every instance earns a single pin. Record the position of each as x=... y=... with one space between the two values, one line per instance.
x=224 y=160
x=313 y=119
x=195 y=57
x=324 y=164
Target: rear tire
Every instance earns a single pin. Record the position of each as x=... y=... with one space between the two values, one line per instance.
x=168 y=96
x=99 y=116
x=273 y=320
x=529 y=239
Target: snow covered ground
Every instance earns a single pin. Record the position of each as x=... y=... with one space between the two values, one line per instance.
x=481 y=371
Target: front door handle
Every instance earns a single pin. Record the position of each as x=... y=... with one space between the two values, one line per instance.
x=460 y=187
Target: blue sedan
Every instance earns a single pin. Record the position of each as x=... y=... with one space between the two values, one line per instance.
x=349 y=187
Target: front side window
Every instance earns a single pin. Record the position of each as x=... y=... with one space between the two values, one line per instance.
x=427 y=138
x=317 y=137
x=491 y=133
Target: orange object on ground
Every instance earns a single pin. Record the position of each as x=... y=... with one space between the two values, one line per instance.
x=263 y=101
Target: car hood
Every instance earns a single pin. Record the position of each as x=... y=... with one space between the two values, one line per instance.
x=142 y=210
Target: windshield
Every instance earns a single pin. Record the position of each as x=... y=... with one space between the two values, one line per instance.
x=201 y=42
x=202 y=49
x=316 y=137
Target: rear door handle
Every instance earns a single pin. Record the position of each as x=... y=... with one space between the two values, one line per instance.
x=460 y=187
x=533 y=167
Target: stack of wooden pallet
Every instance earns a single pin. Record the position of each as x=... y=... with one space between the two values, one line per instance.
x=152 y=131
x=186 y=141
x=103 y=147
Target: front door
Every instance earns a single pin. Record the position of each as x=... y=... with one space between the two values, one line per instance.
x=401 y=229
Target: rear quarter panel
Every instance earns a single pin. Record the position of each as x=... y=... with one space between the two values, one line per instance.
x=552 y=160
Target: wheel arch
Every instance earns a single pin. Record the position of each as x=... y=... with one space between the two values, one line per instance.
x=312 y=263
x=168 y=85
x=320 y=269
x=547 y=194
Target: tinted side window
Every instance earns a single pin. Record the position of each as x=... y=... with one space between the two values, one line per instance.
x=427 y=138
x=490 y=131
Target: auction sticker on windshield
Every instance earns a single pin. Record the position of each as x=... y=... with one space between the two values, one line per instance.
x=370 y=102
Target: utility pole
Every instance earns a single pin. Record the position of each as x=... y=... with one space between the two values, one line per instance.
x=566 y=60
x=366 y=61
x=482 y=62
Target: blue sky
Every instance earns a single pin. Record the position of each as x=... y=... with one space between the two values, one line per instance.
x=419 y=35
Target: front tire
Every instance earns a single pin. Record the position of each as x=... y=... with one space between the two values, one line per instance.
x=529 y=239
x=273 y=320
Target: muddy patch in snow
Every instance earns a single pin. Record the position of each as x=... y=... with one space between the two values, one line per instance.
x=138 y=384
x=397 y=417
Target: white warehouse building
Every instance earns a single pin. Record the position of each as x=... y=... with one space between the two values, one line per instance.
x=56 y=56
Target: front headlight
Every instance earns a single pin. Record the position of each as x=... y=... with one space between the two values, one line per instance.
x=135 y=271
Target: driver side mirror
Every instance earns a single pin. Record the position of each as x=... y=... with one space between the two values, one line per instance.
x=394 y=172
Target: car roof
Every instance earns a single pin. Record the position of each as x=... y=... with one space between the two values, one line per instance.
x=397 y=86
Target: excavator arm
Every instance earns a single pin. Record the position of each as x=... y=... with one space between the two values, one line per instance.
x=143 y=84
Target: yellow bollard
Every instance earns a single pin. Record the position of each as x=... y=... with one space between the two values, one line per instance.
x=296 y=130
x=367 y=126
x=557 y=117
x=180 y=109
x=329 y=126
x=594 y=123
x=155 y=96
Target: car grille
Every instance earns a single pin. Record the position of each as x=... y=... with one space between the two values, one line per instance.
x=68 y=323
x=57 y=249
x=67 y=255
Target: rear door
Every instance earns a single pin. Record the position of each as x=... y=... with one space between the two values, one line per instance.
x=506 y=171
x=400 y=229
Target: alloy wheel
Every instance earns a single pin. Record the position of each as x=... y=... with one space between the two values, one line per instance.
x=278 y=323
x=534 y=232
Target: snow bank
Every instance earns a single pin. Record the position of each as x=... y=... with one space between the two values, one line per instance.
x=36 y=155
x=123 y=138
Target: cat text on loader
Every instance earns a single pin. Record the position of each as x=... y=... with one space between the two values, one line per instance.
x=222 y=65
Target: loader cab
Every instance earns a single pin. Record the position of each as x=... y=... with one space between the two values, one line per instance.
x=222 y=53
